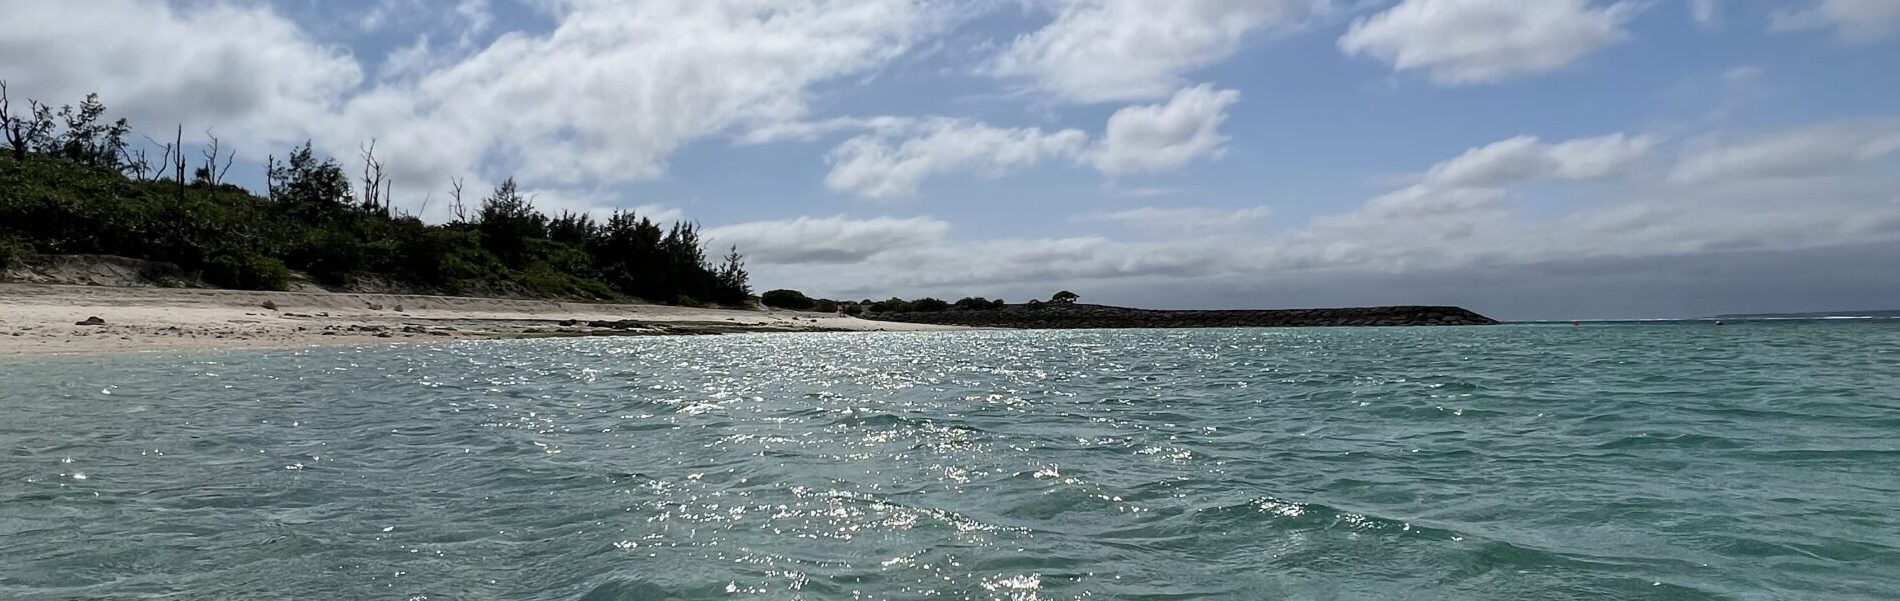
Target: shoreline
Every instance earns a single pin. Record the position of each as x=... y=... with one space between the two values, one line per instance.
x=43 y=319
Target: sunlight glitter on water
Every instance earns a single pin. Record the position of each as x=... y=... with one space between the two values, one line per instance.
x=1497 y=463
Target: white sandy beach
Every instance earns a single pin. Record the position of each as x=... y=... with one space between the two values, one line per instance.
x=43 y=318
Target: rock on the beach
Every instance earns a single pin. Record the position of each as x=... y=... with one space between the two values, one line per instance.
x=91 y=321
x=269 y=305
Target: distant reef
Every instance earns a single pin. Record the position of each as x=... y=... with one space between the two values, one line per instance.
x=1892 y=313
x=1069 y=316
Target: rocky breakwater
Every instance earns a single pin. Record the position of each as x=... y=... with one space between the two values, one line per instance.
x=1055 y=316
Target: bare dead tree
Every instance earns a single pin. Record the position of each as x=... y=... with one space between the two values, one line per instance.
x=14 y=129
x=455 y=193
x=425 y=203
x=213 y=174
x=179 y=162
x=164 y=162
x=270 y=177
x=23 y=131
x=375 y=184
x=135 y=163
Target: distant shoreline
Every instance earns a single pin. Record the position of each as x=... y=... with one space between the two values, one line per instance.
x=44 y=319
x=1068 y=316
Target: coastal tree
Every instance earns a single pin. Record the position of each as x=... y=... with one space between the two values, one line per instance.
x=978 y=303
x=732 y=284
x=27 y=131
x=786 y=299
x=307 y=186
x=88 y=139
x=577 y=229
x=1064 y=298
x=508 y=223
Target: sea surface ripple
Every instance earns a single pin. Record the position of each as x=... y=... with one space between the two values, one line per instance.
x=1754 y=461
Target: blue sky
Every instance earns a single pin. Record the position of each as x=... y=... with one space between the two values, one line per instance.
x=1554 y=159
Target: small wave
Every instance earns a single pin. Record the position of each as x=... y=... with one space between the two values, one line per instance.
x=1690 y=441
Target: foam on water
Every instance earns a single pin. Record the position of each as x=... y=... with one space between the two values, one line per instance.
x=1755 y=461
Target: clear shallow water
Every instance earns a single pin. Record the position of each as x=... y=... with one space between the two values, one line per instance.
x=1757 y=461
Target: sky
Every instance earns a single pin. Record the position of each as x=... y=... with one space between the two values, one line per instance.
x=1549 y=159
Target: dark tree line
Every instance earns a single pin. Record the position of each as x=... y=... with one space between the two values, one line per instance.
x=72 y=184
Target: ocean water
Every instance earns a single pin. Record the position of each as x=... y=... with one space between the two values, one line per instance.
x=1659 y=461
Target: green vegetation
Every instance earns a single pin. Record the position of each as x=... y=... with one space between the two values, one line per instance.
x=798 y=301
x=12 y=250
x=787 y=299
x=72 y=185
x=978 y=303
x=1064 y=298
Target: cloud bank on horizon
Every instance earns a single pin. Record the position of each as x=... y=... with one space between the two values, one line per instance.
x=1554 y=159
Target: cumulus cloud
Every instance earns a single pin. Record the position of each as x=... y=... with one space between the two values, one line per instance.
x=1791 y=154
x=608 y=95
x=827 y=240
x=1479 y=41
x=1164 y=137
x=900 y=153
x=1120 y=50
x=1469 y=213
x=243 y=68
x=616 y=88
x=877 y=166
x=1858 y=21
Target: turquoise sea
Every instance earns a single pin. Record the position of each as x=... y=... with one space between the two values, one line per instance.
x=1659 y=461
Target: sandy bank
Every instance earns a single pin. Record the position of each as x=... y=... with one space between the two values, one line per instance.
x=41 y=319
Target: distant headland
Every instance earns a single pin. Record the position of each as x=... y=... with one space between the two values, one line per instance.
x=1062 y=311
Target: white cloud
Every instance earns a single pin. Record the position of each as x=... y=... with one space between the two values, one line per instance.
x=616 y=88
x=1478 y=41
x=877 y=167
x=805 y=131
x=826 y=240
x=1525 y=158
x=1164 y=137
x=1857 y=21
x=1119 y=50
x=901 y=153
x=607 y=96
x=1791 y=154
x=1416 y=229
x=1184 y=219
x=244 y=69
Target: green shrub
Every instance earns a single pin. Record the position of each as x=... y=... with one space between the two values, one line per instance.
x=59 y=202
x=978 y=303
x=247 y=272
x=929 y=305
x=854 y=309
x=545 y=280
x=12 y=251
x=825 y=305
x=891 y=305
x=787 y=299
